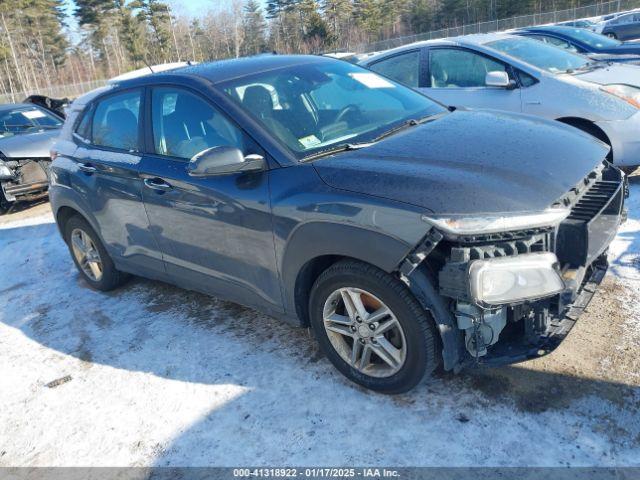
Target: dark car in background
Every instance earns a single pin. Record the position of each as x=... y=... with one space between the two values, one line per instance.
x=588 y=24
x=27 y=132
x=406 y=235
x=579 y=40
x=623 y=27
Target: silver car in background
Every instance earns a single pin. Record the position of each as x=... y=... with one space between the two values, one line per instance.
x=27 y=132
x=516 y=74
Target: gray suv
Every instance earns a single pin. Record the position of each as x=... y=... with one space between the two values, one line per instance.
x=405 y=235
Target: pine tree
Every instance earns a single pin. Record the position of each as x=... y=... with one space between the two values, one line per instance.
x=95 y=17
x=421 y=15
x=132 y=33
x=312 y=24
x=337 y=14
x=32 y=43
x=155 y=15
x=368 y=16
x=255 y=27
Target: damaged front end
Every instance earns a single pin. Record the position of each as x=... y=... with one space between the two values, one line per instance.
x=23 y=179
x=510 y=289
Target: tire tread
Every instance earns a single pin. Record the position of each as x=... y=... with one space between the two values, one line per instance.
x=422 y=317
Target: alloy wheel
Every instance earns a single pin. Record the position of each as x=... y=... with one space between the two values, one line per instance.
x=86 y=254
x=364 y=332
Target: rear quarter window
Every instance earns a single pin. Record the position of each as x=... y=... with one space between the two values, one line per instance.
x=83 y=124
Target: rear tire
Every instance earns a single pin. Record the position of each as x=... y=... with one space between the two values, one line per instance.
x=389 y=344
x=90 y=256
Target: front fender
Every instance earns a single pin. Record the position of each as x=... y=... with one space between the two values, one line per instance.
x=317 y=239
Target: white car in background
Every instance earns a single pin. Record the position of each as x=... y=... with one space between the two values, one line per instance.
x=517 y=74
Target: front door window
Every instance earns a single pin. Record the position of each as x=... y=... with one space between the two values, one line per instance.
x=454 y=68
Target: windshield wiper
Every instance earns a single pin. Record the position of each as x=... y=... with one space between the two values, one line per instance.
x=412 y=122
x=344 y=147
x=587 y=67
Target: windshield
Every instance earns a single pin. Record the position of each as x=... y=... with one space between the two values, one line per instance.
x=590 y=38
x=26 y=120
x=324 y=105
x=541 y=55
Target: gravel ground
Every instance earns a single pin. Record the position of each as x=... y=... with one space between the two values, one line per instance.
x=154 y=375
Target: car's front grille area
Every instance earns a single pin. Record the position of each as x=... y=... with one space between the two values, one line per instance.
x=597 y=205
x=593 y=201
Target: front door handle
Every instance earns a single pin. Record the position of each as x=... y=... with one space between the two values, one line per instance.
x=157 y=184
x=87 y=168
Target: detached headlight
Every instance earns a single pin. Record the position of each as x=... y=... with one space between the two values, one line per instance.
x=459 y=225
x=497 y=281
x=625 y=92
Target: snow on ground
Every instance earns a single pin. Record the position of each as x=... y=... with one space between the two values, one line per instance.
x=162 y=376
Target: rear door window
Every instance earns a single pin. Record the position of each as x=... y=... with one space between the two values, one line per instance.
x=116 y=120
x=403 y=68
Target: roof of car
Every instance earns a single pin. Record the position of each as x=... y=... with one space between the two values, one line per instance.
x=12 y=106
x=472 y=39
x=549 y=28
x=482 y=38
x=223 y=70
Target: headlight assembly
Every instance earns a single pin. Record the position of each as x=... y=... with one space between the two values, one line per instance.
x=625 y=92
x=498 y=281
x=462 y=225
x=5 y=172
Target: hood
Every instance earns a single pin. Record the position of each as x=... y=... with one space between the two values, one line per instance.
x=615 y=73
x=470 y=162
x=29 y=145
x=610 y=57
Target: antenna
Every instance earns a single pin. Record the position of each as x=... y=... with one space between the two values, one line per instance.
x=147 y=64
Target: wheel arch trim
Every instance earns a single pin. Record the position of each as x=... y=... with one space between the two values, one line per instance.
x=65 y=205
x=422 y=285
x=316 y=242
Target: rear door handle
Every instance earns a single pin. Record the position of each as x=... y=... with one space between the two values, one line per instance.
x=157 y=184
x=87 y=168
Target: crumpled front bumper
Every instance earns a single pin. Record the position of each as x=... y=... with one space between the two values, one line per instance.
x=581 y=244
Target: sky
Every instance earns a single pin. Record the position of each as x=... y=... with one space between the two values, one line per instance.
x=186 y=7
x=192 y=8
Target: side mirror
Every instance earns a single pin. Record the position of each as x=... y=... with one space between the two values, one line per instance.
x=499 y=79
x=223 y=161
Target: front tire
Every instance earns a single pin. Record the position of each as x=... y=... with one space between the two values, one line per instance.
x=90 y=256
x=372 y=328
